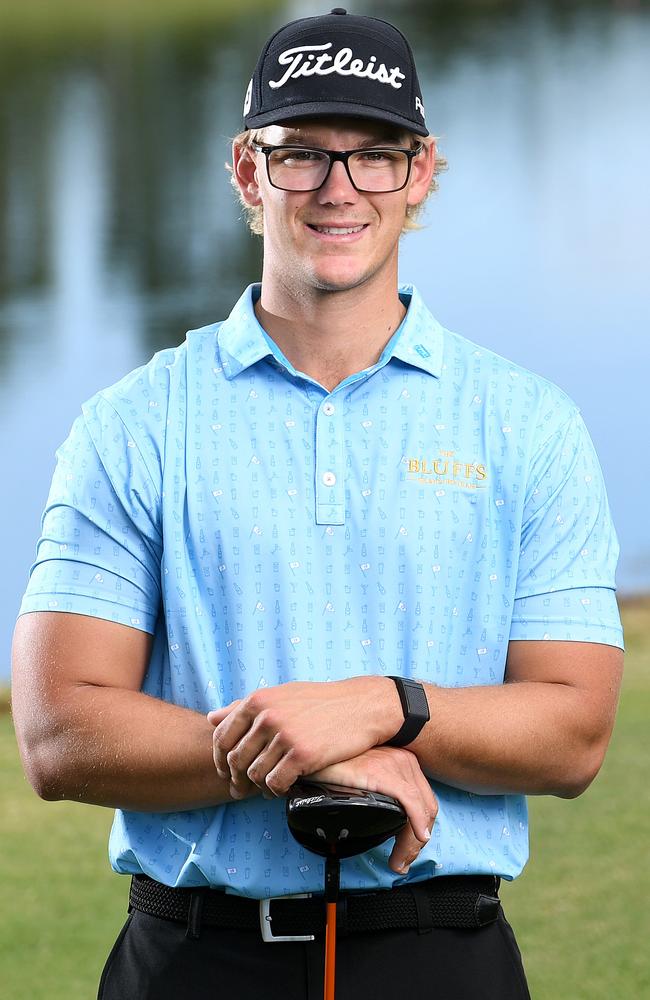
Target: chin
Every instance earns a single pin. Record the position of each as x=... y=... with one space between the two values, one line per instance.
x=339 y=282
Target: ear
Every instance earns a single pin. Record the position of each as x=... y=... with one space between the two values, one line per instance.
x=244 y=168
x=422 y=172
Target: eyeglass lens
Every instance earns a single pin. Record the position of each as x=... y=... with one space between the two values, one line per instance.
x=370 y=169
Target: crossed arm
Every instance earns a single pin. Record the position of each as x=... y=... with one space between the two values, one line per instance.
x=87 y=732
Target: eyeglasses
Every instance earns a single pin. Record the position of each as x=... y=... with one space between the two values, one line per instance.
x=378 y=170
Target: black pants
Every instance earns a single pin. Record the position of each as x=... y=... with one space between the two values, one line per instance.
x=153 y=959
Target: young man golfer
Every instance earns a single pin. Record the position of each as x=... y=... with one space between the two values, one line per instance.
x=326 y=536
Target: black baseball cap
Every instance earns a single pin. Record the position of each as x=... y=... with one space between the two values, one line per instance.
x=336 y=64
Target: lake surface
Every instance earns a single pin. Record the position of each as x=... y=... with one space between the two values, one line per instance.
x=118 y=229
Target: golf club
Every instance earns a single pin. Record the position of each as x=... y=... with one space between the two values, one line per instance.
x=337 y=822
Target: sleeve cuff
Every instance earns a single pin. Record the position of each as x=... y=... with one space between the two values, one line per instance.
x=587 y=614
x=81 y=604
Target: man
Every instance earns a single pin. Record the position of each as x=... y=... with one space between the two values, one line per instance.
x=260 y=548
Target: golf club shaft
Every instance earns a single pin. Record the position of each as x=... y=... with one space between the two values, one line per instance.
x=330 y=951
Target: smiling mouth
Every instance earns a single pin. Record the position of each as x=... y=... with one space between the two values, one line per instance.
x=337 y=230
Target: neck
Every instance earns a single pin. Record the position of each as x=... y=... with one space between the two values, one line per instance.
x=330 y=335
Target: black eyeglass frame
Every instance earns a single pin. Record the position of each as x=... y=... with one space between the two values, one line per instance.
x=342 y=156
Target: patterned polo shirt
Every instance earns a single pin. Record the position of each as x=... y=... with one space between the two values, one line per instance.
x=413 y=521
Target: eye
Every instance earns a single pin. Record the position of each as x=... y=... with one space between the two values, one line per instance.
x=296 y=157
x=380 y=156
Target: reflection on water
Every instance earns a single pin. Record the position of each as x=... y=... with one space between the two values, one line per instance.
x=118 y=230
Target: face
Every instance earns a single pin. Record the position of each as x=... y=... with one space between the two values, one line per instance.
x=300 y=250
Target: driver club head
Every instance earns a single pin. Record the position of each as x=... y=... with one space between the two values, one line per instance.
x=339 y=822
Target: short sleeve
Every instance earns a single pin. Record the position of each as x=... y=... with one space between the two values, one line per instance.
x=567 y=562
x=100 y=548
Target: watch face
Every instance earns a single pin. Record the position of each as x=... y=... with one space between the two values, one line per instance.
x=416 y=699
x=416 y=711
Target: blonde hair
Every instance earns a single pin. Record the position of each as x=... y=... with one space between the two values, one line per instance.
x=254 y=214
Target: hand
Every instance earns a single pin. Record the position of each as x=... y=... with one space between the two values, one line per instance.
x=395 y=772
x=275 y=735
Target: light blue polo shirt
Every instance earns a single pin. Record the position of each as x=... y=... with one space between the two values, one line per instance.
x=413 y=521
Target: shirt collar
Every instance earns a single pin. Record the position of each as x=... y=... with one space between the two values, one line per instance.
x=243 y=342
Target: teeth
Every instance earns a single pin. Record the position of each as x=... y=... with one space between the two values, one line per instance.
x=338 y=232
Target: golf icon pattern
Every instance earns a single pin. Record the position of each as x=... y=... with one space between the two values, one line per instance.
x=411 y=522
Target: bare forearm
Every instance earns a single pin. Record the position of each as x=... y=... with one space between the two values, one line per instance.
x=123 y=749
x=532 y=738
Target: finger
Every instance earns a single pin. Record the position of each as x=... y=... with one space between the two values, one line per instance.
x=289 y=768
x=219 y=757
x=409 y=841
x=227 y=735
x=243 y=773
x=405 y=850
x=247 y=751
x=429 y=807
x=265 y=762
x=416 y=797
x=421 y=808
x=217 y=715
x=242 y=789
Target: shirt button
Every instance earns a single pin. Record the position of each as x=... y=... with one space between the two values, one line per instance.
x=328 y=409
x=329 y=479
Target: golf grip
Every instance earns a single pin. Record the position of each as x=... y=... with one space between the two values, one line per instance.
x=330 y=951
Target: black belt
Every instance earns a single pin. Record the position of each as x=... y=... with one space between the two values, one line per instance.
x=447 y=901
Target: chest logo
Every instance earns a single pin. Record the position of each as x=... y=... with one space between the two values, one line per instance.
x=446 y=470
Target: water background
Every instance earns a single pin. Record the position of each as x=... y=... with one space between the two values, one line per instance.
x=118 y=230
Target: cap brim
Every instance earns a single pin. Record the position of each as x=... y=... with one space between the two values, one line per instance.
x=324 y=109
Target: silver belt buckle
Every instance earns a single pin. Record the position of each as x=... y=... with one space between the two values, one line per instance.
x=266 y=920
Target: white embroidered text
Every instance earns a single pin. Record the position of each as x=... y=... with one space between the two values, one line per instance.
x=303 y=61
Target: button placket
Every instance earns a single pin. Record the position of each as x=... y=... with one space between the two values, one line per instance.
x=330 y=459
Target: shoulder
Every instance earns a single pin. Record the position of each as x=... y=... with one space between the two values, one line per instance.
x=518 y=396
x=138 y=410
x=146 y=397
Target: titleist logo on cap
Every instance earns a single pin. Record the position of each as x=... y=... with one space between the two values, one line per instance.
x=303 y=61
x=336 y=64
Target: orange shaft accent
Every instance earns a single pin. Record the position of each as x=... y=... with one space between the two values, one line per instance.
x=330 y=951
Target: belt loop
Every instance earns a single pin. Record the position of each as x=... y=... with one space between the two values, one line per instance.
x=422 y=907
x=194 y=916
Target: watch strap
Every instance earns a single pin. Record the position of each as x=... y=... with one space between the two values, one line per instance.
x=416 y=711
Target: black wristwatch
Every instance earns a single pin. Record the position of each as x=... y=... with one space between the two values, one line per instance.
x=416 y=711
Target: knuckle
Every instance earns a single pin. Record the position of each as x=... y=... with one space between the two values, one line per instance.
x=267 y=720
x=257 y=702
x=253 y=702
x=298 y=756
x=257 y=774
x=233 y=759
x=274 y=784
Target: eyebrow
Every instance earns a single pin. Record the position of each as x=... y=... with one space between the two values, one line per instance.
x=387 y=139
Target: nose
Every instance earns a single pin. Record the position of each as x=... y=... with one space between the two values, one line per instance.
x=338 y=189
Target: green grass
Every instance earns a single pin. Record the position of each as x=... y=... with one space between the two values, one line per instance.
x=60 y=905
x=54 y=21
x=580 y=909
